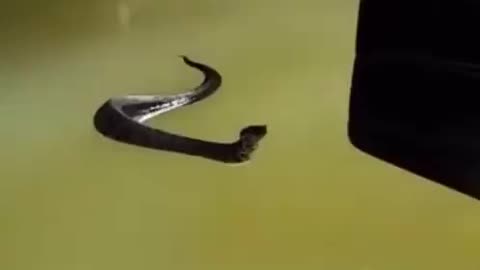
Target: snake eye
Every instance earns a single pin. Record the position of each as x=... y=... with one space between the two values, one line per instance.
x=243 y=155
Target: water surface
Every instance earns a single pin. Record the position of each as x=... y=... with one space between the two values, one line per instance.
x=71 y=199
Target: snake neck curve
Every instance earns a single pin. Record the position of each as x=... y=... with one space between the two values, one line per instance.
x=144 y=107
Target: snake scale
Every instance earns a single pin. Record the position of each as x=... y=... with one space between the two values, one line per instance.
x=123 y=119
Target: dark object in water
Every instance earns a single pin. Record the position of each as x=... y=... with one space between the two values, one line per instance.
x=415 y=88
x=122 y=119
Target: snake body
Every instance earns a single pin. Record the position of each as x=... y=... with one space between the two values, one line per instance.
x=123 y=119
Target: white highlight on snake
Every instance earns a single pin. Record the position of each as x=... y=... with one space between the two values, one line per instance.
x=166 y=103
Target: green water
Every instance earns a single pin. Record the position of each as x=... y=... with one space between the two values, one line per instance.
x=72 y=200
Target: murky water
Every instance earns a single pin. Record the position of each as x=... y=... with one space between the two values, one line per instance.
x=70 y=199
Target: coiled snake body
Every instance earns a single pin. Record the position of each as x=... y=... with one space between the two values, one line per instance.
x=123 y=119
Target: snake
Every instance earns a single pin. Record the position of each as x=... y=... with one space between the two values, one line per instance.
x=124 y=119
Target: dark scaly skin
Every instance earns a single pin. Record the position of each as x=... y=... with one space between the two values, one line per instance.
x=121 y=119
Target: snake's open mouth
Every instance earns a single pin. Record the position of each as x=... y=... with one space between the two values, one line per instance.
x=123 y=119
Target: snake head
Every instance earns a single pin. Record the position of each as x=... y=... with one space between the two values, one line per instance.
x=258 y=132
x=248 y=142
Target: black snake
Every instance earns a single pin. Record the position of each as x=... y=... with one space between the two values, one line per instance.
x=123 y=119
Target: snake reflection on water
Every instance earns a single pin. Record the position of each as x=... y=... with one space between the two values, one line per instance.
x=123 y=119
